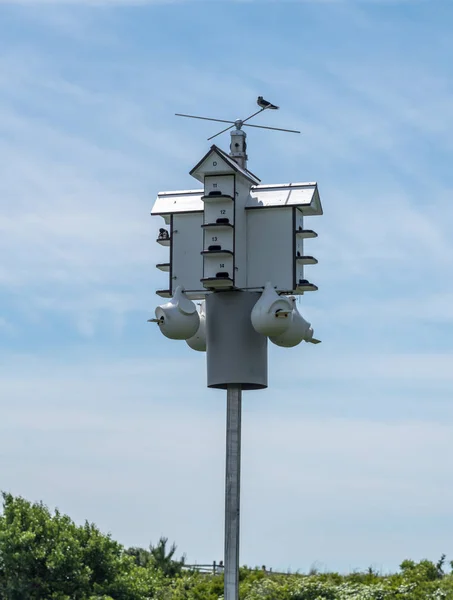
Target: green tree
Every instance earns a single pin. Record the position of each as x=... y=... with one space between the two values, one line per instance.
x=163 y=559
x=141 y=557
x=425 y=570
x=47 y=556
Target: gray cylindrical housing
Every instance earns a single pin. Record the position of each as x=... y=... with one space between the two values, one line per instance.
x=236 y=353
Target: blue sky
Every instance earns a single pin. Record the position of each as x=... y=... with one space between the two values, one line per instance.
x=346 y=457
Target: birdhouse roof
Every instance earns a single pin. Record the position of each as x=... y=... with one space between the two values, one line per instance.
x=304 y=196
x=225 y=165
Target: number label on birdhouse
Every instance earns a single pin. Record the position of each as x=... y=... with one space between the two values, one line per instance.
x=219 y=185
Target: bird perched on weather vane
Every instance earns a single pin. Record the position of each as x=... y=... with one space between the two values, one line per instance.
x=262 y=103
x=239 y=123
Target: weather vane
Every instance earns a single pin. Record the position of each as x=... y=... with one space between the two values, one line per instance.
x=239 y=123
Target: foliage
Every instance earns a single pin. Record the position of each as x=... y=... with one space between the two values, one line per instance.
x=46 y=556
x=157 y=557
x=415 y=581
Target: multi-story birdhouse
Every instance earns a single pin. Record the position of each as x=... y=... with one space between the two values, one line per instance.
x=236 y=233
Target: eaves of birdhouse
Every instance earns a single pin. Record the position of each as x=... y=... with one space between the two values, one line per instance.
x=304 y=196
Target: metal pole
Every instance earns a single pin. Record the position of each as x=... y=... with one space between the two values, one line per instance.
x=232 y=490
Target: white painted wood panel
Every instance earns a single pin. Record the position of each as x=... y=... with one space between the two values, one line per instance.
x=270 y=248
x=187 y=245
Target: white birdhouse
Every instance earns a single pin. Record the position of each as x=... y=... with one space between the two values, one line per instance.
x=236 y=233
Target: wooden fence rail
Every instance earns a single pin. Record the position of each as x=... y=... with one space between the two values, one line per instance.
x=217 y=568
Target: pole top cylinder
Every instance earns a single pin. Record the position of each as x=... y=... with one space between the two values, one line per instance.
x=236 y=353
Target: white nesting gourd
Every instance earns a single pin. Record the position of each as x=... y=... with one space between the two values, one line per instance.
x=198 y=341
x=297 y=331
x=271 y=315
x=178 y=319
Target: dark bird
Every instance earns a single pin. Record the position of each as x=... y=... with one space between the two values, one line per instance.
x=163 y=234
x=265 y=104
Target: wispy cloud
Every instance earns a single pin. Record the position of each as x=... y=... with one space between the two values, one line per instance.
x=75 y=209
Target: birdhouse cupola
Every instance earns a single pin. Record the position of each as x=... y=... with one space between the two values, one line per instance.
x=238 y=145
